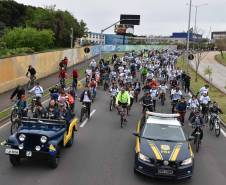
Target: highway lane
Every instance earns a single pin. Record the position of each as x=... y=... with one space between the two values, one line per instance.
x=103 y=154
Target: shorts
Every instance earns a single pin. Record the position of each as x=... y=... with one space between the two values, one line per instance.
x=124 y=105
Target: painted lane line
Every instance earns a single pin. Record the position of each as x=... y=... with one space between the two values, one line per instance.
x=85 y=121
x=6 y=124
x=223 y=132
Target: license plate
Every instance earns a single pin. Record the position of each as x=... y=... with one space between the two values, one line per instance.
x=165 y=172
x=11 y=151
x=28 y=153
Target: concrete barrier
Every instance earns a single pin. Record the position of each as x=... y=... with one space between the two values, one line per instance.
x=13 y=69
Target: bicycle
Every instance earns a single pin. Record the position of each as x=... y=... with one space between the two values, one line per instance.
x=123 y=112
x=112 y=102
x=136 y=94
x=84 y=112
x=31 y=82
x=62 y=83
x=94 y=93
x=197 y=140
x=205 y=112
x=162 y=97
x=214 y=123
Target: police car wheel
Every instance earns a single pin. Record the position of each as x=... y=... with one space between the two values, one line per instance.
x=54 y=161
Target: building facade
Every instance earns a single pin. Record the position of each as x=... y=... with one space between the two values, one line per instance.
x=218 y=35
x=92 y=39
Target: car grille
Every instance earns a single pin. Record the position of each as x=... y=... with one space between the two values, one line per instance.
x=31 y=141
x=172 y=164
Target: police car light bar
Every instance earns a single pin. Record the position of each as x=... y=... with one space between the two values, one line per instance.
x=162 y=115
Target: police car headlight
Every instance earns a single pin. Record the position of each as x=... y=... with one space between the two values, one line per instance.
x=22 y=137
x=21 y=146
x=143 y=157
x=187 y=161
x=43 y=139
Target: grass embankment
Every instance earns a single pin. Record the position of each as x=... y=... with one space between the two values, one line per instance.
x=81 y=71
x=221 y=60
x=214 y=93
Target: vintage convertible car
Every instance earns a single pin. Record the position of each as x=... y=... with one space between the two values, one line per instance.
x=40 y=138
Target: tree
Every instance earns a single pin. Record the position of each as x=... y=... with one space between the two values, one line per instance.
x=199 y=56
x=208 y=71
x=221 y=45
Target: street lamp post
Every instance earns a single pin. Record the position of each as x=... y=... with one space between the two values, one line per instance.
x=188 y=33
x=72 y=37
x=196 y=12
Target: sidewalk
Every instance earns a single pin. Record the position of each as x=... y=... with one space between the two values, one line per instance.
x=219 y=71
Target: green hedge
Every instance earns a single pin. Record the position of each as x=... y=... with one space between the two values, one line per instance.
x=28 y=38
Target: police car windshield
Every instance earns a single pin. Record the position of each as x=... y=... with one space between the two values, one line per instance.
x=163 y=132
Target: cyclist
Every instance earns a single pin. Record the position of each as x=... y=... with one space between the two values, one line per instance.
x=193 y=104
x=22 y=104
x=176 y=95
x=181 y=109
x=32 y=72
x=114 y=91
x=93 y=87
x=204 y=90
x=147 y=102
x=93 y=64
x=123 y=99
x=144 y=72
x=154 y=95
x=75 y=80
x=162 y=89
x=18 y=92
x=63 y=76
x=215 y=108
x=37 y=90
x=197 y=120
x=86 y=99
x=204 y=102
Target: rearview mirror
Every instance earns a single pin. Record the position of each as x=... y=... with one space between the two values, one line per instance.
x=191 y=138
x=136 y=134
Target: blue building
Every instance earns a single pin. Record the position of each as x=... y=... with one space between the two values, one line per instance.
x=184 y=35
x=112 y=39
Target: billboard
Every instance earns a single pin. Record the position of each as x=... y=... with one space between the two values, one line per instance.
x=130 y=19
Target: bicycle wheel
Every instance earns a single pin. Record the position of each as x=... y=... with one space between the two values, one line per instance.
x=81 y=115
x=217 y=128
x=14 y=115
x=14 y=126
x=206 y=118
x=197 y=143
x=211 y=122
x=122 y=120
x=29 y=85
x=162 y=100
x=111 y=105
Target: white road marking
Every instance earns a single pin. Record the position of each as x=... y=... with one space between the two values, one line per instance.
x=85 y=121
x=223 y=132
x=6 y=124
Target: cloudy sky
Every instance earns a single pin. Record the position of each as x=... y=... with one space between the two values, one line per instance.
x=158 y=17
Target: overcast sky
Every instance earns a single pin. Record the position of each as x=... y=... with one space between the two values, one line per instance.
x=158 y=17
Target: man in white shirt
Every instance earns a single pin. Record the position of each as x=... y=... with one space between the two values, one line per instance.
x=37 y=90
x=204 y=90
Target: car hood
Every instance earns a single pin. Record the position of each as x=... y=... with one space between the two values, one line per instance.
x=161 y=150
x=42 y=129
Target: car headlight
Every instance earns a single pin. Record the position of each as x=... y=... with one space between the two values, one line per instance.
x=22 y=137
x=21 y=146
x=187 y=161
x=38 y=148
x=143 y=157
x=43 y=139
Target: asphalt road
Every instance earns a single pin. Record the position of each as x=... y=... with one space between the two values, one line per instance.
x=103 y=154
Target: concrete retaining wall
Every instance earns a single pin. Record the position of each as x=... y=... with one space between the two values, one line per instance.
x=13 y=70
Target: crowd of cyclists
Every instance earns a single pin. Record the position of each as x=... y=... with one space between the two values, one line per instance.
x=147 y=77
